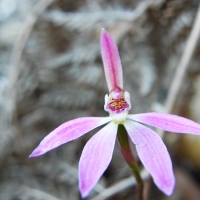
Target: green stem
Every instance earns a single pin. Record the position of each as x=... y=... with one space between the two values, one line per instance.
x=127 y=153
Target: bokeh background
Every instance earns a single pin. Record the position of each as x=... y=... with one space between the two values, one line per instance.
x=51 y=71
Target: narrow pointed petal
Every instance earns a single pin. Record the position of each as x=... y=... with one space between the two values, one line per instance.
x=96 y=157
x=111 y=61
x=168 y=122
x=153 y=154
x=68 y=131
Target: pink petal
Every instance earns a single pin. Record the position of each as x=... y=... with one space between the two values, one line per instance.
x=111 y=61
x=96 y=157
x=153 y=154
x=68 y=131
x=168 y=122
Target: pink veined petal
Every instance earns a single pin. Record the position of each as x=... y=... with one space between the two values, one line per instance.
x=153 y=154
x=96 y=157
x=168 y=122
x=68 y=131
x=111 y=61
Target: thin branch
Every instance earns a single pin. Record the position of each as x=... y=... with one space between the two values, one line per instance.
x=120 y=186
x=137 y=14
x=26 y=193
x=182 y=67
x=184 y=63
x=17 y=51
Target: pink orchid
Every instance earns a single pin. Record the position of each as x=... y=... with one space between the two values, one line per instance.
x=98 y=151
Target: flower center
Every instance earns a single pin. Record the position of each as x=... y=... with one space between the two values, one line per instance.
x=118 y=104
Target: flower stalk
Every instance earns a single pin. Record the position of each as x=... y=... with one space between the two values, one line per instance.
x=123 y=140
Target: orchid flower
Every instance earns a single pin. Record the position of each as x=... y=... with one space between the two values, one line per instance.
x=97 y=153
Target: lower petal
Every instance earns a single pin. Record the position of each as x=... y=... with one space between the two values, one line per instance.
x=153 y=154
x=96 y=157
x=68 y=131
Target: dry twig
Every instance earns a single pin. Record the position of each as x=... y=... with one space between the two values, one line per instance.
x=27 y=193
x=17 y=51
x=120 y=186
x=183 y=64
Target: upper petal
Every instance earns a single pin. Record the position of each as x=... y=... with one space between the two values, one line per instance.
x=153 y=154
x=68 y=131
x=168 y=122
x=111 y=61
x=96 y=157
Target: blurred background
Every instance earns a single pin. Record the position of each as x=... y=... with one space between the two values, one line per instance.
x=51 y=71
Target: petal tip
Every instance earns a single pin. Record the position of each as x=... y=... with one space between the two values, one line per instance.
x=36 y=153
x=103 y=30
x=168 y=187
x=104 y=34
x=169 y=191
x=30 y=156
x=83 y=190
